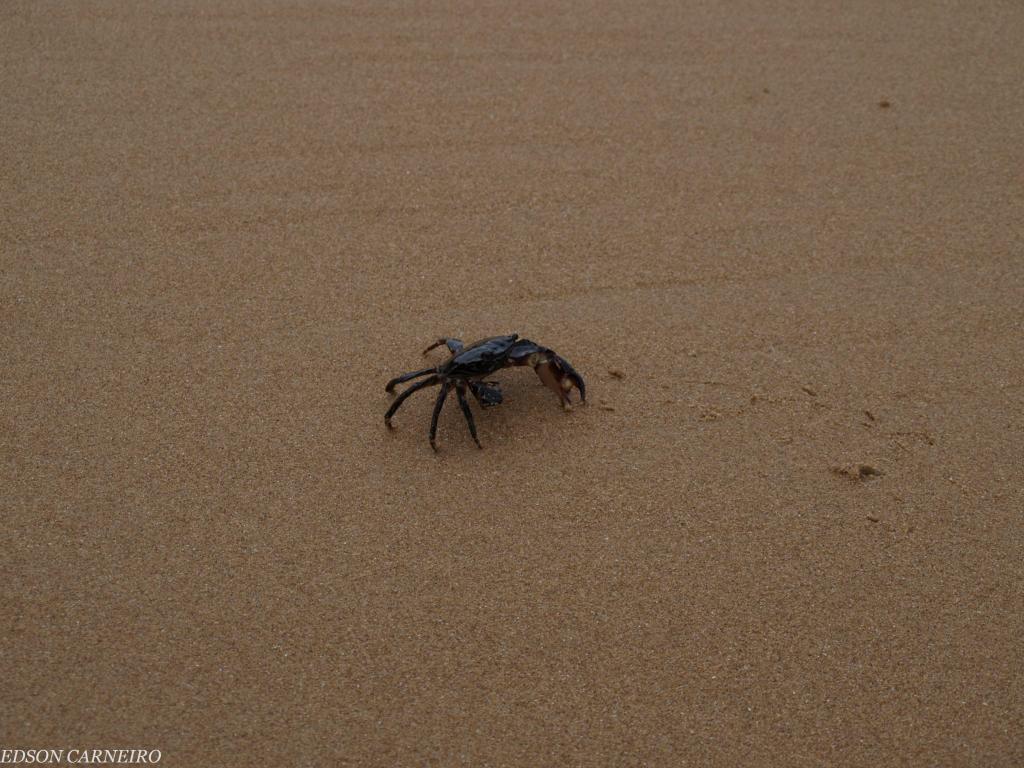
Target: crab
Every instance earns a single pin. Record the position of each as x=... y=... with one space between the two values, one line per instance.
x=467 y=367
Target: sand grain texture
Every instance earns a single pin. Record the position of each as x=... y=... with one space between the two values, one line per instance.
x=793 y=231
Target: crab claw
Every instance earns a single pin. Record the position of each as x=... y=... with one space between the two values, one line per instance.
x=487 y=393
x=560 y=377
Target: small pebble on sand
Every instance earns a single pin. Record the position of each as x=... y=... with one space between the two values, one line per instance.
x=857 y=471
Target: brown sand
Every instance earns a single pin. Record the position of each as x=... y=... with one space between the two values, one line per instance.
x=794 y=231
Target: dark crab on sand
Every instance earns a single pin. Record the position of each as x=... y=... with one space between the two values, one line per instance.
x=467 y=367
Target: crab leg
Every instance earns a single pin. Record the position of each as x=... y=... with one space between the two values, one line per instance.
x=454 y=345
x=390 y=386
x=401 y=398
x=460 y=390
x=437 y=412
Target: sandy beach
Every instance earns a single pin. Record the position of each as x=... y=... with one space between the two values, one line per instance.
x=782 y=242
